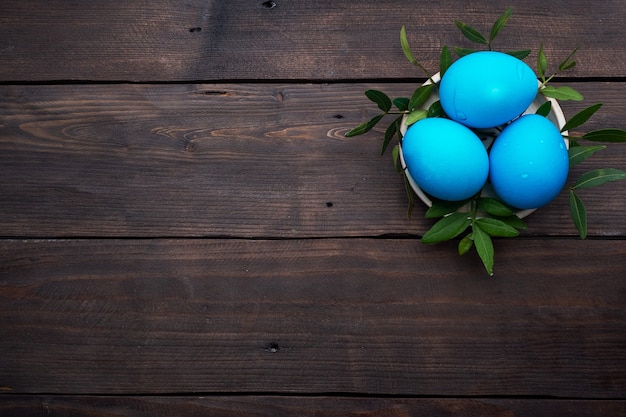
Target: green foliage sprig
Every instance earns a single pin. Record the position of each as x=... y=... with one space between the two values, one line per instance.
x=482 y=218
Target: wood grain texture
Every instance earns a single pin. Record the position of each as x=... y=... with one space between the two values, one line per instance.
x=365 y=316
x=324 y=406
x=166 y=40
x=241 y=160
x=185 y=230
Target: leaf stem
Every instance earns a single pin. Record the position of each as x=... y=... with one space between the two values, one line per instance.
x=546 y=81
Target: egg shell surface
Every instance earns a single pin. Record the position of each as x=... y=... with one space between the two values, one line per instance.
x=529 y=162
x=487 y=89
x=446 y=159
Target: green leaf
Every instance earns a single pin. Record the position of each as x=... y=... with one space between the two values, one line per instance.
x=499 y=24
x=542 y=63
x=471 y=33
x=567 y=62
x=544 y=109
x=359 y=130
x=395 y=154
x=579 y=214
x=420 y=95
x=409 y=194
x=494 y=207
x=436 y=110
x=391 y=131
x=445 y=60
x=364 y=127
x=461 y=52
x=402 y=103
x=597 y=177
x=404 y=43
x=606 y=135
x=441 y=208
x=447 y=228
x=484 y=247
x=416 y=115
x=514 y=221
x=581 y=117
x=577 y=154
x=561 y=93
x=521 y=54
x=495 y=227
x=466 y=244
x=380 y=98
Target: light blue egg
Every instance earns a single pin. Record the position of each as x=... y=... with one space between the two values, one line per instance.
x=446 y=159
x=487 y=89
x=528 y=162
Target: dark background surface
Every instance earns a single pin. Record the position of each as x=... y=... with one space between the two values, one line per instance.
x=185 y=230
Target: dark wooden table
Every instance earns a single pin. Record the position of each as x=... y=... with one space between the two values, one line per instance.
x=185 y=230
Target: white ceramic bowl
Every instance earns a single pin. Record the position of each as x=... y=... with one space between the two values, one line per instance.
x=556 y=116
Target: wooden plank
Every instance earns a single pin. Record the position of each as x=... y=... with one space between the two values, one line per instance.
x=361 y=316
x=245 y=160
x=325 y=40
x=325 y=406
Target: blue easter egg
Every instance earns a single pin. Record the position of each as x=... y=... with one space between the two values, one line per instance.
x=487 y=89
x=446 y=159
x=528 y=162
